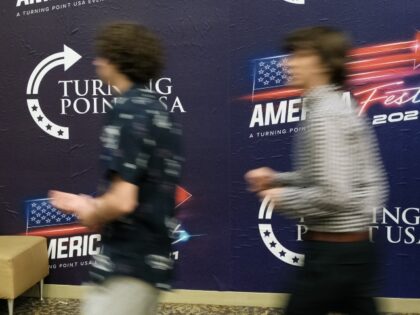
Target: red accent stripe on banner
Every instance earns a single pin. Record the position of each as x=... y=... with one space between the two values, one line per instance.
x=383 y=62
x=62 y=231
x=382 y=49
x=273 y=94
x=381 y=75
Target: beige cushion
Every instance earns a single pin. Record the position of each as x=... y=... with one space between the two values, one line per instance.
x=23 y=263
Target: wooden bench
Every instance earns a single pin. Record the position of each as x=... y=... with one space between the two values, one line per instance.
x=23 y=263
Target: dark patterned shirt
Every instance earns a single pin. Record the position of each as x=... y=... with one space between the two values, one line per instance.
x=141 y=145
x=338 y=177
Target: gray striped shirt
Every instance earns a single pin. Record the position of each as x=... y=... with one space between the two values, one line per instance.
x=338 y=177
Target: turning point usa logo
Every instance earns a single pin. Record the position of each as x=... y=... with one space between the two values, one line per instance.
x=81 y=97
x=398 y=226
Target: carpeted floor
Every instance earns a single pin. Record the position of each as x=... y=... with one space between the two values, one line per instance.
x=33 y=306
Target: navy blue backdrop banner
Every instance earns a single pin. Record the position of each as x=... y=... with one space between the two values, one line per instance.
x=226 y=80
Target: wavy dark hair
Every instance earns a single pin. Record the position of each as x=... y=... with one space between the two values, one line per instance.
x=332 y=45
x=135 y=50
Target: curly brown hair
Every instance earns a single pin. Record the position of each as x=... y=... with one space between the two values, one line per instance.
x=134 y=49
x=330 y=44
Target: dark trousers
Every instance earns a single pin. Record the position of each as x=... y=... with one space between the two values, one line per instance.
x=336 y=277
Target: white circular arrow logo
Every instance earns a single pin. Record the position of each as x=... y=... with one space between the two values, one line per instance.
x=68 y=57
x=270 y=240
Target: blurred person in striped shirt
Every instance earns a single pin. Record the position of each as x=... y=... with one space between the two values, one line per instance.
x=338 y=179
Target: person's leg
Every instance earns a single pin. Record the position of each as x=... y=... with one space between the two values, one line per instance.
x=356 y=274
x=314 y=291
x=335 y=277
x=121 y=295
x=363 y=306
x=299 y=304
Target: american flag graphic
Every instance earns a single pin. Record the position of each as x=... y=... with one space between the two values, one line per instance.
x=45 y=220
x=270 y=72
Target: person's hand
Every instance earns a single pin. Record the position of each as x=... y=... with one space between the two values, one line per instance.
x=66 y=202
x=83 y=206
x=273 y=194
x=260 y=179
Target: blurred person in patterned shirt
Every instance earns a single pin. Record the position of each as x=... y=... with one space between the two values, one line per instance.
x=142 y=159
x=338 y=179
